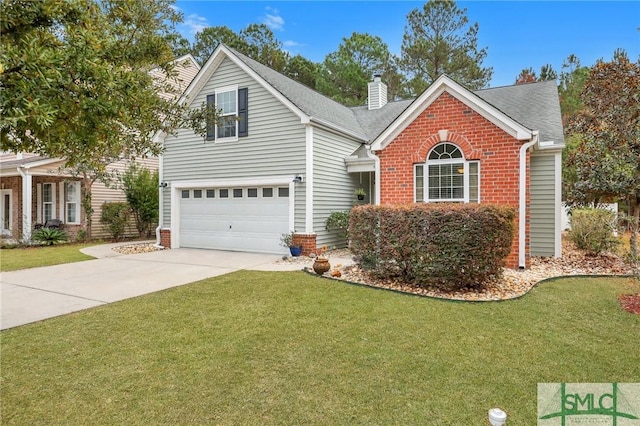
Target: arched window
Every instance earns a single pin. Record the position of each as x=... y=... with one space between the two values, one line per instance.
x=448 y=178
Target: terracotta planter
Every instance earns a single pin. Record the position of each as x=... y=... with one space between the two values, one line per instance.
x=321 y=265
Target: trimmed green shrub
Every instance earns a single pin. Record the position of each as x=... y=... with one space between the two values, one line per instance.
x=593 y=230
x=49 y=236
x=115 y=216
x=450 y=246
x=140 y=186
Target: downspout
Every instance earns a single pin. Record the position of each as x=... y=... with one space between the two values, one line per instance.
x=376 y=162
x=522 y=219
x=26 y=203
x=160 y=201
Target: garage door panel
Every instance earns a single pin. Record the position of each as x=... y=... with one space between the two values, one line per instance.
x=241 y=224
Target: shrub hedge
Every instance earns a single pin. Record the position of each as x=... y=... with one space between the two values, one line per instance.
x=449 y=246
x=592 y=230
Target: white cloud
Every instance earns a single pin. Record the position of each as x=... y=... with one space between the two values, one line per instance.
x=291 y=43
x=193 y=24
x=273 y=19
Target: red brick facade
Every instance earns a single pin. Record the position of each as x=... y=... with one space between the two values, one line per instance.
x=448 y=119
x=14 y=183
x=165 y=238
x=307 y=241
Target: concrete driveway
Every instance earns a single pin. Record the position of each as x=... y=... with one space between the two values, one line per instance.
x=31 y=295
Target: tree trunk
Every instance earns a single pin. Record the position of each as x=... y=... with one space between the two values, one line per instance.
x=87 y=209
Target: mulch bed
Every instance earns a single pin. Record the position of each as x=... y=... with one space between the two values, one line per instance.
x=630 y=303
x=513 y=283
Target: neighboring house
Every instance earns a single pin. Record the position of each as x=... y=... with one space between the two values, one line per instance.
x=292 y=156
x=35 y=189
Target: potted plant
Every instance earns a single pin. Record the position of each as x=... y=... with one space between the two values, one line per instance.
x=286 y=240
x=360 y=194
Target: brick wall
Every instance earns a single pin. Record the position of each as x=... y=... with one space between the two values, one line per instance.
x=14 y=183
x=307 y=241
x=448 y=119
x=165 y=238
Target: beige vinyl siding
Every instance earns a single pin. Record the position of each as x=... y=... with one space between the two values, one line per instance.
x=333 y=187
x=275 y=144
x=100 y=194
x=542 y=210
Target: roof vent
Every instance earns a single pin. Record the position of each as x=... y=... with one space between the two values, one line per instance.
x=377 y=93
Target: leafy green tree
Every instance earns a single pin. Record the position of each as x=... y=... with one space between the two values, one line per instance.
x=572 y=79
x=206 y=41
x=140 y=186
x=180 y=46
x=264 y=47
x=302 y=70
x=76 y=83
x=607 y=161
x=257 y=41
x=528 y=75
x=438 y=39
x=346 y=72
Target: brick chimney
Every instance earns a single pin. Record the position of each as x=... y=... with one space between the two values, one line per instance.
x=377 y=93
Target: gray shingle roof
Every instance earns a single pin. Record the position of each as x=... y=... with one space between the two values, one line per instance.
x=309 y=101
x=534 y=105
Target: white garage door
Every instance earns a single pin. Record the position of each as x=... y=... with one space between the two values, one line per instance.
x=238 y=219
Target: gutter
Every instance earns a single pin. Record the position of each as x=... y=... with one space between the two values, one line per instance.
x=376 y=161
x=522 y=225
x=160 y=201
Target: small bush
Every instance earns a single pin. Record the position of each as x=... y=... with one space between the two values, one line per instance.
x=338 y=222
x=115 y=216
x=450 y=246
x=593 y=230
x=49 y=236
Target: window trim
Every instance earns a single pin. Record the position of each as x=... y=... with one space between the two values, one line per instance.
x=216 y=92
x=425 y=177
x=52 y=202
x=76 y=201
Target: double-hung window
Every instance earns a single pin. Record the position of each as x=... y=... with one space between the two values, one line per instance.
x=231 y=104
x=447 y=177
x=48 y=202
x=72 y=202
x=227 y=104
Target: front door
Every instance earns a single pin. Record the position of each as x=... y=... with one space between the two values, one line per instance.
x=5 y=212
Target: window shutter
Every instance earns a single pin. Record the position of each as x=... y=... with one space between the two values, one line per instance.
x=243 y=113
x=211 y=125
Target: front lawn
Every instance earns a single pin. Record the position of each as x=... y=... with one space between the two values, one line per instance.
x=32 y=257
x=257 y=348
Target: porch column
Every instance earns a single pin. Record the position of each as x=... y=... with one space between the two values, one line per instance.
x=27 y=201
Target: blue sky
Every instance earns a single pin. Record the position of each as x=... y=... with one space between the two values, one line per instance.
x=518 y=34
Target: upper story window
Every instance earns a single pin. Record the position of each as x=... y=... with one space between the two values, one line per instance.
x=447 y=177
x=232 y=105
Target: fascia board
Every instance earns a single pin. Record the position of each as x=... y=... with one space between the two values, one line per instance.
x=446 y=84
x=340 y=130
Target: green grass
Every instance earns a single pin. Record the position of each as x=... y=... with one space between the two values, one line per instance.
x=257 y=348
x=32 y=257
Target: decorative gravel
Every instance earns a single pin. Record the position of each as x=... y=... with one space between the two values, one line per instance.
x=513 y=284
x=136 y=248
